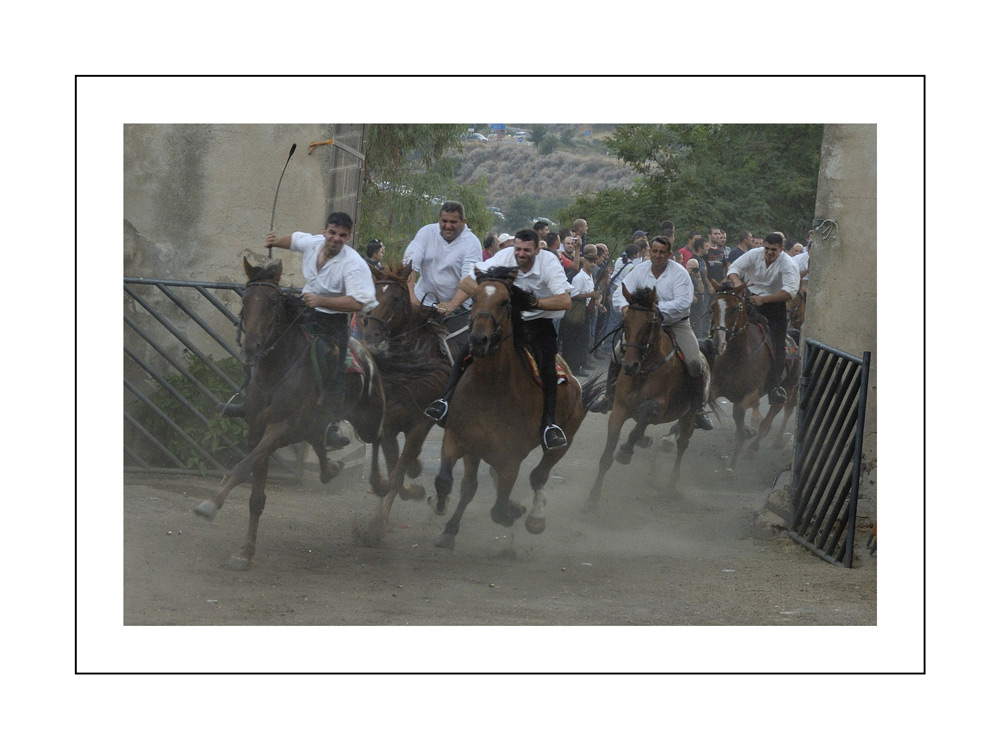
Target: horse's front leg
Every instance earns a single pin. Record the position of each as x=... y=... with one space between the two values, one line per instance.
x=765 y=426
x=685 y=428
x=535 y=522
x=615 y=423
x=648 y=413
x=450 y=453
x=739 y=417
x=242 y=558
x=390 y=448
x=269 y=441
x=470 y=482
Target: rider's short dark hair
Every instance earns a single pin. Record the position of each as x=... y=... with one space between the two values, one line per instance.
x=453 y=206
x=340 y=219
x=527 y=235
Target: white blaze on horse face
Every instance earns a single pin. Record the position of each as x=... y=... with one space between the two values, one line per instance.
x=720 y=332
x=490 y=290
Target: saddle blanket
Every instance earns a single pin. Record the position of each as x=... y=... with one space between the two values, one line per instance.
x=561 y=376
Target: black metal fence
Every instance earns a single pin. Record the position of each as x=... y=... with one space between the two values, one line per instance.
x=172 y=423
x=826 y=470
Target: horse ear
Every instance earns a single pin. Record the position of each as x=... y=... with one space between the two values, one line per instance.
x=715 y=284
x=273 y=272
x=248 y=268
x=627 y=294
x=479 y=275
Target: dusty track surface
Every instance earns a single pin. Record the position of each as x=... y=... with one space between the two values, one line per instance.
x=697 y=558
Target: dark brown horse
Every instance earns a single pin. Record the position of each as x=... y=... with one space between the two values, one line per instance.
x=495 y=413
x=741 y=365
x=409 y=349
x=652 y=388
x=283 y=393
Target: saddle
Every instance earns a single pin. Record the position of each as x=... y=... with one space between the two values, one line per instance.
x=561 y=376
x=322 y=359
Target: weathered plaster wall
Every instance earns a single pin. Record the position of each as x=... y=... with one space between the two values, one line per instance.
x=198 y=196
x=842 y=266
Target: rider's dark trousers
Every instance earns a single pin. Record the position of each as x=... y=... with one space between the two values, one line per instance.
x=777 y=324
x=335 y=327
x=540 y=336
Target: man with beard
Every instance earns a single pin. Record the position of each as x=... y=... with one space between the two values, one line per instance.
x=541 y=276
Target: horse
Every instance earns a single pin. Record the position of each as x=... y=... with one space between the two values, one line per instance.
x=741 y=363
x=652 y=387
x=283 y=392
x=496 y=411
x=409 y=350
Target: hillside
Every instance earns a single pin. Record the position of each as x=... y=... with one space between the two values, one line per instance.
x=514 y=169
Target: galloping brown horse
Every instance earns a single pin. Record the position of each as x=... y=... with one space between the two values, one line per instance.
x=409 y=350
x=495 y=412
x=652 y=388
x=283 y=392
x=742 y=362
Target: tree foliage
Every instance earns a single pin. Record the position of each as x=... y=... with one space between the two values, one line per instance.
x=409 y=171
x=757 y=177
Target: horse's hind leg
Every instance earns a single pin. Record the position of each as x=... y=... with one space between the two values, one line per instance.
x=684 y=432
x=409 y=461
x=470 y=482
x=765 y=426
x=504 y=512
x=444 y=480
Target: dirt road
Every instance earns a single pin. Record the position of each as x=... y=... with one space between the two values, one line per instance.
x=642 y=559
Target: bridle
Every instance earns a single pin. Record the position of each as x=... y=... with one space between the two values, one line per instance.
x=741 y=309
x=505 y=306
x=655 y=325
x=273 y=339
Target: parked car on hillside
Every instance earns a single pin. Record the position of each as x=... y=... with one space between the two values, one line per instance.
x=475 y=136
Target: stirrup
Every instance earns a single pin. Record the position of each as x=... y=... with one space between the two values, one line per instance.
x=553 y=438
x=777 y=395
x=233 y=410
x=437 y=410
x=333 y=439
x=701 y=420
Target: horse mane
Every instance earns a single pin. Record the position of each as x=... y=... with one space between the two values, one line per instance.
x=397 y=271
x=408 y=365
x=644 y=298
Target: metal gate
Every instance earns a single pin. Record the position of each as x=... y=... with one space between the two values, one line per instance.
x=826 y=470
x=172 y=424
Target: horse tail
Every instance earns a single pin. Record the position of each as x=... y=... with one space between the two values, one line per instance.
x=592 y=390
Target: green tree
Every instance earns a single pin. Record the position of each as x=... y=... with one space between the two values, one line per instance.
x=761 y=177
x=409 y=171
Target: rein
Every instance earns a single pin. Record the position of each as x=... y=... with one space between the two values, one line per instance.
x=495 y=339
x=656 y=329
x=274 y=324
x=731 y=335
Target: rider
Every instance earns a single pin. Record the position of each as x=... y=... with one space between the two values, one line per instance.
x=338 y=283
x=674 y=293
x=542 y=276
x=772 y=278
x=441 y=255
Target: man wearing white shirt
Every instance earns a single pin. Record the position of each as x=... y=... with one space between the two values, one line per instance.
x=541 y=275
x=772 y=278
x=338 y=284
x=674 y=294
x=441 y=255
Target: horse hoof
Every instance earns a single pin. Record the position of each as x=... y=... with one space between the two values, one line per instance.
x=506 y=516
x=415 y=469
x=644 y=441
x=413 y=492
x=440 y=505
x=446 y=541
x=332 y=470
x=534 y=524
x=207 y=510
x=623 y=457
x=238 y=563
